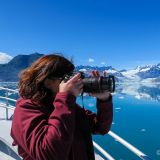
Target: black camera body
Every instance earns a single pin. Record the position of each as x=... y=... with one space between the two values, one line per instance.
x=95 y=84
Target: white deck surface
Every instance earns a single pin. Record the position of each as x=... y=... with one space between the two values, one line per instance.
x=5 y=125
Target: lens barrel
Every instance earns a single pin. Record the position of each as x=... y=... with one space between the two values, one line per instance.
x=98 y=84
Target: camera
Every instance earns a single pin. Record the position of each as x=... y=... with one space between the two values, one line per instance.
x=95 y=84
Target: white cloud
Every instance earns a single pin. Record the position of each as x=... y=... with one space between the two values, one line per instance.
x=90 y=60
x=4 y=58
x=103 y=63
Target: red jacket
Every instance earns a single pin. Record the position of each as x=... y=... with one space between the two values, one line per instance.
x=60 y=131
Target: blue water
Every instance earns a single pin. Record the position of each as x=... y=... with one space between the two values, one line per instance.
x=136 y=119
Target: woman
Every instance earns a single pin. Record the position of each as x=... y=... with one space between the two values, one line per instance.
x=47 y=122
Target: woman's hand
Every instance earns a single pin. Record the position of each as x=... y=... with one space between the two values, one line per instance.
x=73 y=85
x=103 y=95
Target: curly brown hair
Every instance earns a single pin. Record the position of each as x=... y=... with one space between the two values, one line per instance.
x=31 y=80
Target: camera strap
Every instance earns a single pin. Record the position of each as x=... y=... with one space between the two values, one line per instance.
x=82 y=100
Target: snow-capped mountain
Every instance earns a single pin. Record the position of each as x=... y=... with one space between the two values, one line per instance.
x=109 y=69
x=144 y=74
x=132 y=74
x=148 y=73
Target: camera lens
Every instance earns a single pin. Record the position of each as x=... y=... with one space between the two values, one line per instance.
x=108 y=83
x=99 y=84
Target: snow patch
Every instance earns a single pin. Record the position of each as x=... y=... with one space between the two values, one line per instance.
x=4 y=58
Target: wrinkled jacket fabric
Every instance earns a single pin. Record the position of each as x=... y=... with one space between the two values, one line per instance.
x=60 y=130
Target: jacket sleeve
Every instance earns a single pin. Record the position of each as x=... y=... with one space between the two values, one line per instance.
x=49 y=138
x=101 y=122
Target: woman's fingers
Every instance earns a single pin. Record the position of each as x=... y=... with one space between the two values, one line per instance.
x=73 y=85
x=104 y=73
x=74 y=78
x=95 y=73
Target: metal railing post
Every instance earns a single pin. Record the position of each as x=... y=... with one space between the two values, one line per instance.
x=7 y=104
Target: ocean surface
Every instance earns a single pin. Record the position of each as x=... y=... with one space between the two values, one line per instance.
x=136 y=119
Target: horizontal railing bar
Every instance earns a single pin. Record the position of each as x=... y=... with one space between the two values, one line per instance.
x=10 y=146
x=10 y=99
x=129 y=146
x=7 y=89
x=5 y=106
x=101 y=150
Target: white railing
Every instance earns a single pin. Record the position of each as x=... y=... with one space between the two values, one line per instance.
x=10 y=147
x=7 y=106
x=7 y=89
x=100 y=149
x=129 y=146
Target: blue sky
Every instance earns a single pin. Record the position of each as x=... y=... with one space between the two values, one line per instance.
x=120 y=33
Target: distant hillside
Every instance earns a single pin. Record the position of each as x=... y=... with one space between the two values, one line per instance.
x=9 y=72
x=143 y=74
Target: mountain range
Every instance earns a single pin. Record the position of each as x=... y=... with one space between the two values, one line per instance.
x=9 y=71
x=142 y=74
